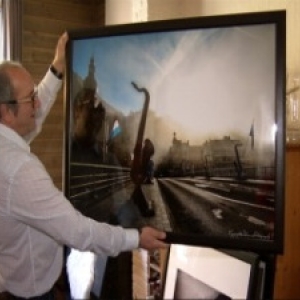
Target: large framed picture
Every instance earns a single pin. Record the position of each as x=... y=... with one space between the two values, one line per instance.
x=194 y=272
x=180 y=124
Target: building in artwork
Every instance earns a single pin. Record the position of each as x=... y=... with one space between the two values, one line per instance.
x=215 y=157
x=99 y=125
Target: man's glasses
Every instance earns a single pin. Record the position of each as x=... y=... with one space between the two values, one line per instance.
x=30 y=98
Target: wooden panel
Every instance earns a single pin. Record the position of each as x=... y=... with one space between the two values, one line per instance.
x=53 y=160
x=140 y=268
x=42 y=25
x=48 y=145
x=51 y=130
x=288 y=265
x=56 y=116
x=37 y=56
x=77 y=12
x=37 y=71
x=39 y=40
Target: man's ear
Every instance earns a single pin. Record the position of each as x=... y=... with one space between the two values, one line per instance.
x=7 y=115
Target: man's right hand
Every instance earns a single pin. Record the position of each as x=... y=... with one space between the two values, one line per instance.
x=151 y=239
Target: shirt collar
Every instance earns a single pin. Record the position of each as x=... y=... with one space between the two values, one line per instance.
x=11 y=135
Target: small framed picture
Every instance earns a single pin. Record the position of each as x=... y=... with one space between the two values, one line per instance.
x=205 y=273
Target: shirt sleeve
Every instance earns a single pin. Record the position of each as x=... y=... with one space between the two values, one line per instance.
x=35 y=201
x=48 y=89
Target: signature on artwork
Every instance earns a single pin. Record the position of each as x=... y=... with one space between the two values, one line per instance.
x=244 y=233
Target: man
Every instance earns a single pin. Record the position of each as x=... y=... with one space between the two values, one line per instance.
x=147 y=162
x=36 y=220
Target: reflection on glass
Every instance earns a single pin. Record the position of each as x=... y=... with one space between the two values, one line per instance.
x=294 y=101
x=293 y=118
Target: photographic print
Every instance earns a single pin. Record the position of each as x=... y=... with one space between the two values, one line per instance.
x=188 y=287
x=179 y=124
x=205 y=273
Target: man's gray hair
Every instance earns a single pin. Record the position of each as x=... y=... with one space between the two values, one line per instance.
x=6 y=88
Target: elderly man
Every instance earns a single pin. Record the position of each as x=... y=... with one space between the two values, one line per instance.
x=36 y=220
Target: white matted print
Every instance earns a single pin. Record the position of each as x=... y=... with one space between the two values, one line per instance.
x=206 y=273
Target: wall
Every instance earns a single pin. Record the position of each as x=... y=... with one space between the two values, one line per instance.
x=43 y=22
x=125 y=11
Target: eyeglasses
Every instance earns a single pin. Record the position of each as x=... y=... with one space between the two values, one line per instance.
x=30 y=98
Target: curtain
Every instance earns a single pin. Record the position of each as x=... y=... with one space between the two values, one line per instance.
x=11 y=11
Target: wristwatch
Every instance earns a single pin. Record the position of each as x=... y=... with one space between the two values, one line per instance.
x=56 y=73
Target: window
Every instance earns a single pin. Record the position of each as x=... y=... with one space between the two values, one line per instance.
x=1 y=33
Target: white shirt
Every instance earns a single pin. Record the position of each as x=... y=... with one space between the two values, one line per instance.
x=36 y=220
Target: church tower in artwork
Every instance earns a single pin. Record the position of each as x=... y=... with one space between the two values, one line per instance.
x=90 y=80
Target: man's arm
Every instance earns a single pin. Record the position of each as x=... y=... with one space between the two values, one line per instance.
x=50 y=86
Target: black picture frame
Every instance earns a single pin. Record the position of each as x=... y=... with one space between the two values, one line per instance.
x=193 y=272
x=204 y=100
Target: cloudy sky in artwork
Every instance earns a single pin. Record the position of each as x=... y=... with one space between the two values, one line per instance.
x=216 y=79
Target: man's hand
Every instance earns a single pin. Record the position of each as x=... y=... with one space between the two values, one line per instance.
x=60 y=53
x=151 y=239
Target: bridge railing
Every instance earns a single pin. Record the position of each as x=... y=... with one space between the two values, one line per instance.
x=96 y=180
